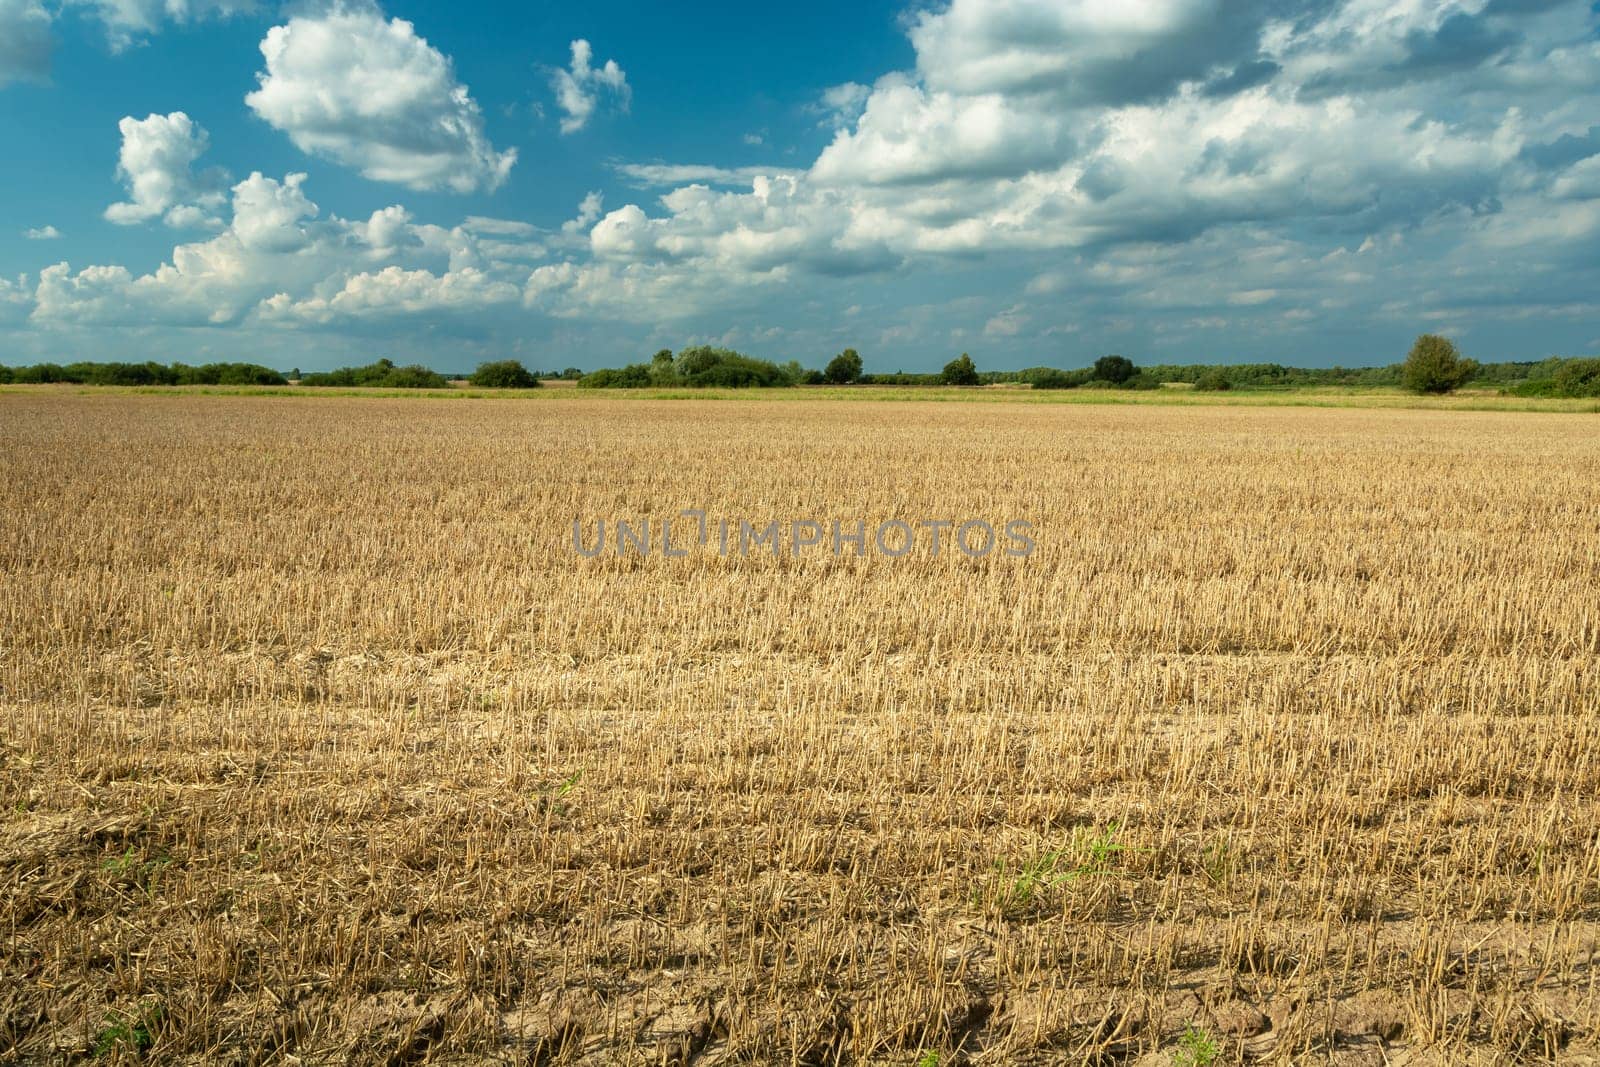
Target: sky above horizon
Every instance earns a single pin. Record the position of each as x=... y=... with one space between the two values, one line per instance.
x=1037 y=183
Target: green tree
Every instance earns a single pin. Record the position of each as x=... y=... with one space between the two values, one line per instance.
x=697 y=361
x=662 y=370
x=1215 y=380
x=1114 y=369
x=633 y=376
x=1578 y=377
x=959 y=372
x=843 y=369
x=503 y=374
x=382 y=374
x=1435 y=366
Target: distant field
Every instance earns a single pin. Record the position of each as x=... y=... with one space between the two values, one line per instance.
x=318 y=740
x=1170 y=394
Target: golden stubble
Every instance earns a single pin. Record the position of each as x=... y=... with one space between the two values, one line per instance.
x=319 y=740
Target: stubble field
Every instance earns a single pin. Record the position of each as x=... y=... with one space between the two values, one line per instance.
x=320 y=744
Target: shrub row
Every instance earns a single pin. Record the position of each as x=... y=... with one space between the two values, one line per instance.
x=699 y=367
x=143 y=374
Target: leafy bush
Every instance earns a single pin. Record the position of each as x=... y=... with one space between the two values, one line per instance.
x=119 y=374
x=86 y=373
x=39 y=374
x=1049 y=378
x=900 y=377
x=382 y=374
x=1114 y=369
x=1278 y=376
x=414 y=377
x=1578 y=378
x=700 y=367
x=1215 y=380
x=843 y=369
x=959 y=372
x=663 y=368
x=228 y=374
x=733 y=371
x=633 y=376
x=503 y=374
x=1435 y=366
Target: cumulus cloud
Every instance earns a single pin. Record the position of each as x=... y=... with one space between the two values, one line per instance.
x=711 y=250
x=1082 y=52
x=42 y=233
x=1041 y=124
x=394 y=291
x=270 y=215
x=907 y=134
x=579 y=87
x=279 y=262
x=371 y=94
x=156 y=164
x=842 y=104
x=271 y=242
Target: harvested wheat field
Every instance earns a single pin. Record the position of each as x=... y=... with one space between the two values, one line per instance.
x=321 y=744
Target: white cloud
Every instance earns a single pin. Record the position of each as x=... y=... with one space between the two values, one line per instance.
x=1036 y=127
x=25 y=41
x=371 y=94
x=1080 y=52
x=842 y=105
x=588 y=212
x=663 y=174
x=578 y=88
x=907 y=134
x=500 y=227
x=279 y=262
x=25 y=27
x=394 y=290
x=270 y=216
x=713 y=249
x=42 y=233
x=386 y=232
x=16 y=298
x=127 y=22
x=1009 y=323
x=156 y=164
x=992 y=145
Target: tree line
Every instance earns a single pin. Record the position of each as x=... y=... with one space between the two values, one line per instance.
x=84 y=373
x=384 y=374
x=1434 y=365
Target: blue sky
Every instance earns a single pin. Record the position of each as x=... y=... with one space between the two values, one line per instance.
x=1032 y=181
